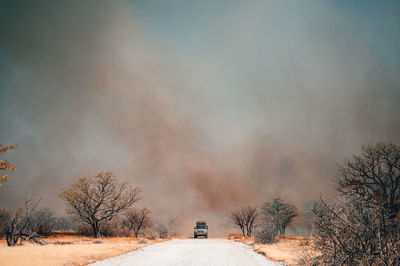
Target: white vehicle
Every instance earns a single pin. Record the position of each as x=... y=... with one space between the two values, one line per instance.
x=201 y=229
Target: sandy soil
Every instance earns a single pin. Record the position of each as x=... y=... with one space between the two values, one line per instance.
x=288 y=249
x=181 y=252
x=68 y=250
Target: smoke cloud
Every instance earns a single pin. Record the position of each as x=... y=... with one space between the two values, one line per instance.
x=205 y=106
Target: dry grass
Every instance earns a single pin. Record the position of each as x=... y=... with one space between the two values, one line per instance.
x=245 y=239
x=288 y=249
x=68 y=250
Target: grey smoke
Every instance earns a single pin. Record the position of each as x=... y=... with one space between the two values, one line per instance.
x=203 y=106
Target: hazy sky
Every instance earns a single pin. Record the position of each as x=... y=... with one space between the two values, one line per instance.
x=204 y=105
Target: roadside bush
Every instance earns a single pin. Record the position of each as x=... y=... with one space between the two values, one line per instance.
x=84 y=230
x=266 y=233
x=142 y=241
x=114 y=228
x=362 y=225
x=162 y=231
x=107 y=229
x=279 y=212
x=150 y=232
x=137 y=220
x=43 y=222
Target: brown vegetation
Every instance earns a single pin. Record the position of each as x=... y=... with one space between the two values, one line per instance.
x=66 y=248
x=137 y=220
x=280 y=213
x=287 y=249
x=362 y=225
x=18 y=224
x=96 y=199
x=245 y=218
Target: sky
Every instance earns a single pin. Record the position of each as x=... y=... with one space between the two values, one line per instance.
x=203 y=105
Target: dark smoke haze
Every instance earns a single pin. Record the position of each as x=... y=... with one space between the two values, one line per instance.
x=203 y=106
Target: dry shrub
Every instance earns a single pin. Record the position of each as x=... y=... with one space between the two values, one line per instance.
x=234 y=237
x=114 y=227
x=162 y=231
x=61 y=234
x=305 y=242
x=43 y=222
x=240 y=238
x=280 y=213
x=308 y=258
x=63 y=243
x=142 y=241
x=84 y=230
x=290 y=237
x=266 y=234
x=149 y=233
x=137 y=220
x=107 y=229
x=362 y=225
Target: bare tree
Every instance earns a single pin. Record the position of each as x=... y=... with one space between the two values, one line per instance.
x=137 y=220
x=280 y=213
x=362 y=225
x=17 y=224
x=238 y=220
x=373 y=179
x=99 y=198
x=245 y=218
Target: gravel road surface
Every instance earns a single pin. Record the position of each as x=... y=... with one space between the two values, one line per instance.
x=191 y=252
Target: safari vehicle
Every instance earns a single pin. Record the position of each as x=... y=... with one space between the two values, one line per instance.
x=201 y=229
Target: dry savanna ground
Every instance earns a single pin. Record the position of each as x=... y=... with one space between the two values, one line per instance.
x=288 y=249
x=68 y=250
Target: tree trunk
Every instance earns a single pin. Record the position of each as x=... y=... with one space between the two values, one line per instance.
x=96 y=229
x=243 y=231
x=11 y=239
x=8 y=238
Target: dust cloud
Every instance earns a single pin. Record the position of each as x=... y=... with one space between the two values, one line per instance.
x=203 y=106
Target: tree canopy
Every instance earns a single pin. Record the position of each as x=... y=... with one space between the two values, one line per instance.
x=94 y=199
x=5 y=165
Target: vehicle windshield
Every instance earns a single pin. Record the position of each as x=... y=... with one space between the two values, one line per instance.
x=202 y=227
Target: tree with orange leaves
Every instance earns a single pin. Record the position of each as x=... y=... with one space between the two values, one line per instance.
x=5 y=165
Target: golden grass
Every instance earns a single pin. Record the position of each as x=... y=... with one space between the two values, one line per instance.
x=287 y=249
x=245 y=239
x=68 y=250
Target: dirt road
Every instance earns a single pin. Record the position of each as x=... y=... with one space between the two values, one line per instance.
x=191 y=252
